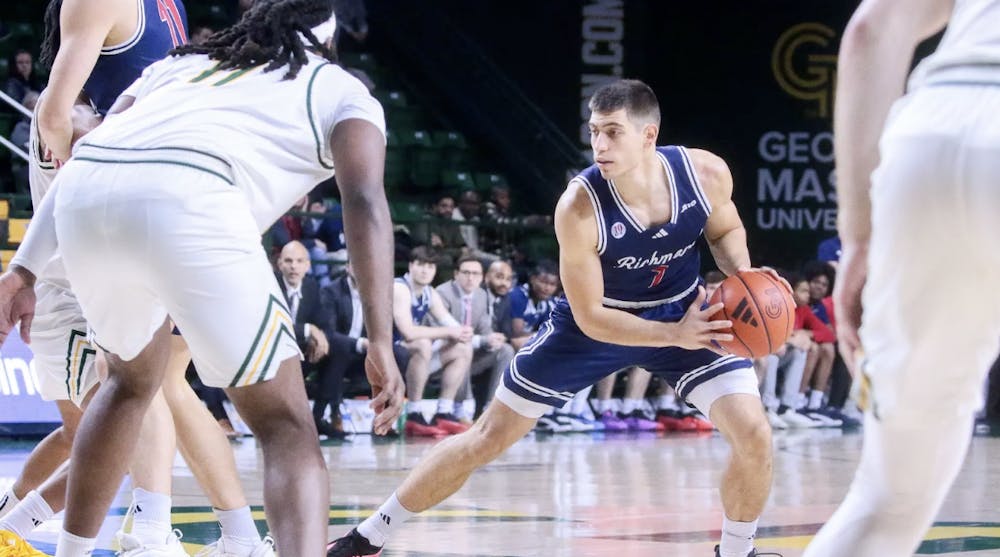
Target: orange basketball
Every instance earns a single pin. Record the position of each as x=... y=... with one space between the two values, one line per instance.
x=762 y=311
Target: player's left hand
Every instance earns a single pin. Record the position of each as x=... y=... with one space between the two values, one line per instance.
x=387 y=386
x=769 y=272
x=852 y=273
x=17 y=302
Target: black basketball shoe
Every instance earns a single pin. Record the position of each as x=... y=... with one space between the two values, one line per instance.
x=352 y=545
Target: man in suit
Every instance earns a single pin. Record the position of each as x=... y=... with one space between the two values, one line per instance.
x=302 y=295
x=469 y=305
x=340 y=303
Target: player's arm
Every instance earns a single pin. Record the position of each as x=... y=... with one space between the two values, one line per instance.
x=724 y=230
x=875 y=56
x=583 y=283
x=404 y=319
x=84 y=25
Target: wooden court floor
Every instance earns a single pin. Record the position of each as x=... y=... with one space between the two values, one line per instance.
x=588 y=495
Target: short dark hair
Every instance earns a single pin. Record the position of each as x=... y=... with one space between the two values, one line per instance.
x=545 y=268
x=714 y=276
x=637 y=98
x=423 y=254
x=814 y=269
x=467 y=259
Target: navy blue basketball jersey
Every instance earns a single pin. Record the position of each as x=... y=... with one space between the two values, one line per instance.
x=162 y=26
x=645 y=267
x=523 y=307
x=420 y=304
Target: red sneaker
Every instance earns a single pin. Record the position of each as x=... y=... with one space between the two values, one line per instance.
x=673 y=421
x=449 y=423
x=698 y=423
x=417 y=426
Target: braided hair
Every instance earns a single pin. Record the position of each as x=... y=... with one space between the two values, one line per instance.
x=271 y=31
x=50 y=42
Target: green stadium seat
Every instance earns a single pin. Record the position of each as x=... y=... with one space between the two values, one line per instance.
x=458 y=180
x=485 y=181
x=406 y=211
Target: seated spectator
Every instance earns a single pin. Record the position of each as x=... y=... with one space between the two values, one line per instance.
x=816 y=380
x=413 y=301
x=302 y=295
x=323 y=236
x=499 y=278
x=440 y=232
x=531 y=303
x=20 y=136
x=469 y=305
x=498 y=235
x=712 y=281
x=200 y=34
x=340 y=304
x=288 y=227
x=352 y=25
x=22 y=78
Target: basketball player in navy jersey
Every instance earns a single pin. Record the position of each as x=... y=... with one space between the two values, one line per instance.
x=918 y=203
x=628 y=228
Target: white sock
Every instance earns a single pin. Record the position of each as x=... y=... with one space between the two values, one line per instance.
x=413 y=407
x=28 y=514
x=151 y=520
x=446 y=406
x=815 y=399
x=578 y=404
x=8 y=502
x=238 y=528
x=737 y=538
x=74 y=546
x=630 y=405
x=377 y=527
x=667 y=402
x=467 y=409
x=602 y=406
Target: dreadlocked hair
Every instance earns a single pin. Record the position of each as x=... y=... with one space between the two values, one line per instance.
x=270 y=32
x=50 y=42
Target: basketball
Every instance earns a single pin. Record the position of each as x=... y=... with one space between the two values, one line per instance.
x=762 y=311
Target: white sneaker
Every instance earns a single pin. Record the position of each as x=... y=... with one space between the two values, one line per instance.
x=131 y=546
x=822 y=418
x=775 y=420
x=796 y=420
x=218 y=549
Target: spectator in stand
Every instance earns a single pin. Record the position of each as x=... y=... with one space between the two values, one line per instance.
x=449 y=344
x=531 y=303
x=499 y=279
x=828 y=251
x=200 y=34
x=712 y=281
x=323 y=236
x=352 y=25
x=470 y=305
x=288 y=227
x=440 y=232
x=22 y=78
x=498 y=236
x=818 y=318
x=20 y=136
x=467 y=211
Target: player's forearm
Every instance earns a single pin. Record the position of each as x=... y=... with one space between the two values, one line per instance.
x=40 y=242
x=730 y=251
x=871 y=74
x=619 y=327
x=368 y=230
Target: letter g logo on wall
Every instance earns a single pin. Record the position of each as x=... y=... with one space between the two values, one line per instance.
x=804 y=64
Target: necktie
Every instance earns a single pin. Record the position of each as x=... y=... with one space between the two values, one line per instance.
x=293 y=303
x=467 y=310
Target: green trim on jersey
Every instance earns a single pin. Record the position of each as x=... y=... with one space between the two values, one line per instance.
x=282 y=329
x=312 y=124
x=146 y=149
x=222 y=177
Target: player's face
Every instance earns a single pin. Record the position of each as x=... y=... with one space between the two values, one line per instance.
x=422 y=272
x=617 y=142
x=802 y=293
x=544 y=286
x=469 y=276
x=499 y=279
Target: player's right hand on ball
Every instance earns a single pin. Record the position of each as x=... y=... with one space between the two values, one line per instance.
x=697 y=330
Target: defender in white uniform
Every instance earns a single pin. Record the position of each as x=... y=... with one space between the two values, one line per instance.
x=923 y=230
x=64 y=359
x=159 y=212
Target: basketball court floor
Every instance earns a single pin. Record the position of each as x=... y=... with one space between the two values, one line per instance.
x=587 y=495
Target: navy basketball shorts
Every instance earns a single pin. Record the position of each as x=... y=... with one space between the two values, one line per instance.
x=561 y=360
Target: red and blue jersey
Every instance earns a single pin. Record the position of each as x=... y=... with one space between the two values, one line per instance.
x=162 y=26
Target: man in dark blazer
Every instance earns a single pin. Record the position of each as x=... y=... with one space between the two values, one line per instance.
x=344 y=325
x=302 y=296
x=470 y=305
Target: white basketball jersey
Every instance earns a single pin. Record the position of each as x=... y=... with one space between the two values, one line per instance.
x=275 y=133
x=41 y=173
x=970 y=49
